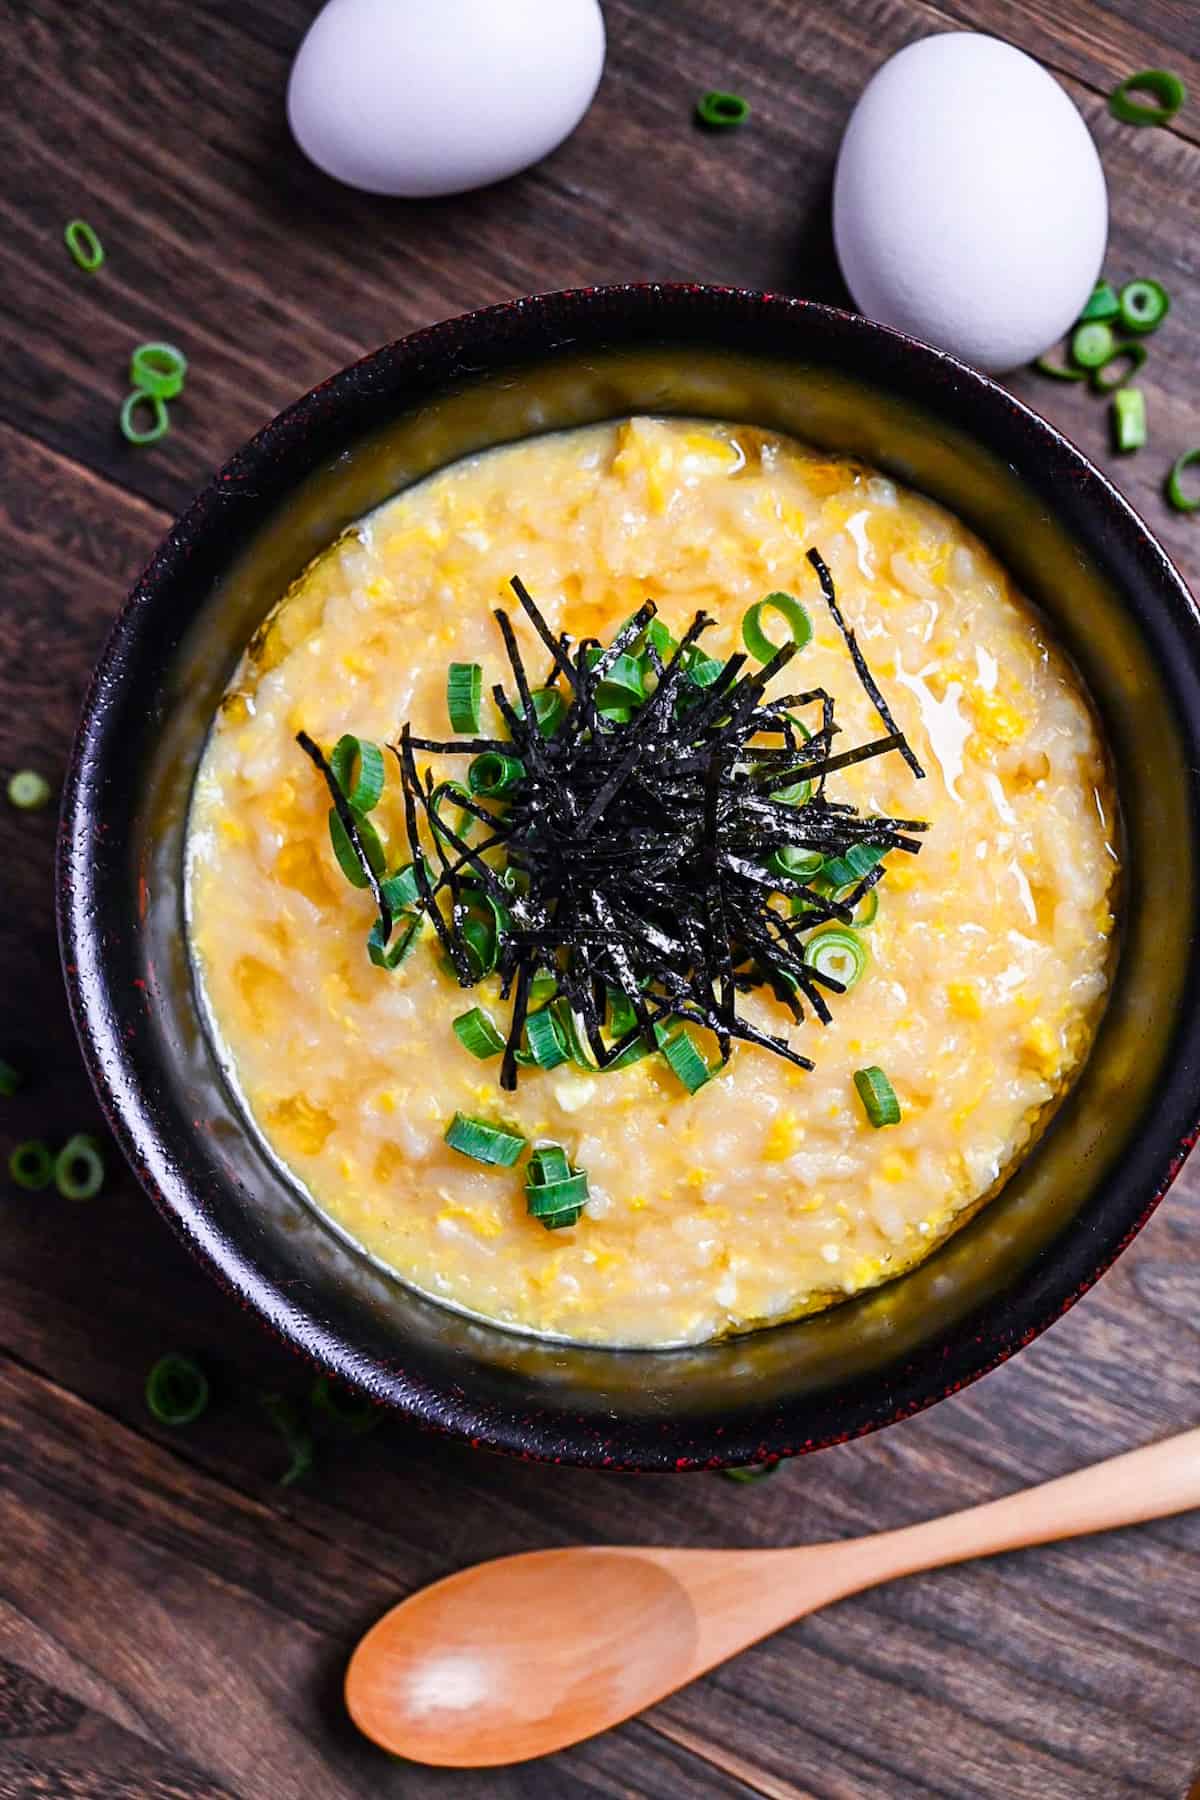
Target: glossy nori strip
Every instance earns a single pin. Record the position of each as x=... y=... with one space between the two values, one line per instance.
x=349 y=825
x=860 y=663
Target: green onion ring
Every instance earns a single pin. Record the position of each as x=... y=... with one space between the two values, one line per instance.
x=1144 y=305
x=1093 y=344
x=357 y=766
x=389 y=953
x=1129 y=418
x=31 y=1165
x=152 y=433
x=28 y=791
x=158 y=368
x=838 y=953
x=1135 y=354
x=1103 y=303
x=1177 y=495
x=1058 y=370
x=795 y=864
x=859 y=860
x=483 y=1142
x=546 y=1039
x=477 y=1034
x=1167 y=89
x=464 y=695
x=493 y=776
x=343 y=849
x=79 y=1168
x=402 y=890
x=717 y=111
x=761 y=647
x=176 y=1390
x=878 y=1096
x=752 y=1472
x=84 y=245
x=683 y=1058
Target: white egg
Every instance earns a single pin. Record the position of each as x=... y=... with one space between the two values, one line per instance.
x=423 y=97
x=969 y=205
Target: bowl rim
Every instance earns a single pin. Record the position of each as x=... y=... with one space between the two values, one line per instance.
x=542 y=323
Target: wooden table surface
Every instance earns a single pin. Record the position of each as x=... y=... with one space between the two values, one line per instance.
x=172 y=1622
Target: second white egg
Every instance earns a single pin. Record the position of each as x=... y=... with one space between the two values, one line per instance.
x=426 y=97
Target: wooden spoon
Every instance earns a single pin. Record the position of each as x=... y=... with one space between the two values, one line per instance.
x=526 y=1654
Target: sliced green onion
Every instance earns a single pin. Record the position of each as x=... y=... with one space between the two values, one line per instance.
x=1129 y=418
x=28 y=790
x=797 y=793
x=796 y=864
x=357 y=766
x=721 y=112
x=544 y=1035
x=701 y=670
x=297 y=1438
x=1166 y=88
x=1144 y=305
x=402 y=890
x=859 y=860
x=493 y=775
x=452 y=790
x=683 y=1057
x=1134 y=354
x=84 y=245
x=343 y=849
x=621 y=1016
x=1103 y=303
x=554 y=1192
x=868 y=907
x=1058 y=370
x=158 y=369
x=574 y=1035
x=1093 y=344
x=390 y=952
x=464 y=695
x=351 y=1417
x=79 y=1168
x=548 y=709
x=176 y=1390
x=761 y=647
x=476 y=1033
x=159 y=426
x=483 y=1142
x=541 y=989
x=10 y=1079
x=752 y=1472
x=622 y=689
x=1178 y=496
x=655 y=633
x=878 y=1096
x=838 y=953
x=31 y=1165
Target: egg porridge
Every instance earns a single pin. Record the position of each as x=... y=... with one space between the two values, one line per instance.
x=651 y=881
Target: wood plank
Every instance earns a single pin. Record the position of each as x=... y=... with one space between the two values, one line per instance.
x=264 y=321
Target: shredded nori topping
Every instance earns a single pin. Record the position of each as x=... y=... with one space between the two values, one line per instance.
x=630 y=858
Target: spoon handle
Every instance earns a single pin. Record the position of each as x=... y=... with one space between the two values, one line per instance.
x=1143 y=1484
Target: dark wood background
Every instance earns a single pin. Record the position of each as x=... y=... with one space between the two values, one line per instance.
x=172 y=1623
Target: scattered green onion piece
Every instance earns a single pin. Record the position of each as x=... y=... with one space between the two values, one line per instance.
x=683 y=1057
x=548 y=709
x=1144 y=305
x=297 y=1438
x=721 y=112
x=761 y=647
x=544 y=1035
x=621 y=1016
x=701 y=670
x=402 y=890
x=1103 y=303
x=796 y=864
x=483 y=1142
x=1059 y=371
x=548 y=1162
x=622 y=689
x=1093 y=344
x=655 y=633
x=28 y=791
x=554 y=1192
x=343 y=849
x=158 y=369
x=1165 y=87
x=878 y=1097
x=391 y=952
x=160 y=425
x=1179 y=498
x=351 y=1417
x=1134 y=354
x=492 y=776
x=10 y=1079
x=542 y=989
x=31 y=1165
x=176 y=1390
x=859 y=860
x=868 y=907
x=752 y=1472
x=84 y=245
x=797 y=793
x=79 y=1168
x=357 y=766
x=574 y=1035
x=1129 y=418
x=476 y=1033
x=464 y=695
x=839 y=953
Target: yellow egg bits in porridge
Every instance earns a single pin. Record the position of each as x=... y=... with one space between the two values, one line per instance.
x=524 y=988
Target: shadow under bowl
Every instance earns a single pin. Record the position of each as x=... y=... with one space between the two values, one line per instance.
x=493 y=377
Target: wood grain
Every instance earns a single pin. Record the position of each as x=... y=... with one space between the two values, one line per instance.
x=171 y=1621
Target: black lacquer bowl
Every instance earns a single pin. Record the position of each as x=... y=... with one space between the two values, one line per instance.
x=568 y=359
